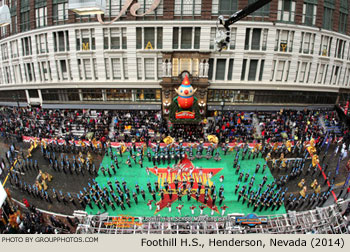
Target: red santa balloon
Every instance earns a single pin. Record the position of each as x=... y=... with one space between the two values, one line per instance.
x=185 y=93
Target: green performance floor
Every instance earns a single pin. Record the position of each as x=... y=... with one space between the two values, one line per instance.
x=139 y=175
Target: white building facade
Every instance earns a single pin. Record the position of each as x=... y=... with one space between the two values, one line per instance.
x=68 y=61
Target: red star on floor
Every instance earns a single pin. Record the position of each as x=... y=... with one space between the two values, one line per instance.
x=186 y=165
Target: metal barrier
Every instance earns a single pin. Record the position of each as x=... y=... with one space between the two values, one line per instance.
x=325 y=220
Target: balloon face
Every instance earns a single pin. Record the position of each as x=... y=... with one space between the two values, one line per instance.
x=185 y=91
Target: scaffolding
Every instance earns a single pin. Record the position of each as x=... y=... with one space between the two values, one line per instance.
x=322 y=220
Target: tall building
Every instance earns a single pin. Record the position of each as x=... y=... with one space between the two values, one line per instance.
x=290 y=53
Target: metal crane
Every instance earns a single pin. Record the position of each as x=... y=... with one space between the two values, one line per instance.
x=223 y=37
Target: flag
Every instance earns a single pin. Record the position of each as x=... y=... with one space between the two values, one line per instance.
x=328 y=144
x=324 y=141
x=337 y=170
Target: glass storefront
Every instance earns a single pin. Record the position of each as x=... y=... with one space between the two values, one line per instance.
x=271 y=97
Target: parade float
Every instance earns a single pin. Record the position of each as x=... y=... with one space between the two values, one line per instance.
x=184 y=107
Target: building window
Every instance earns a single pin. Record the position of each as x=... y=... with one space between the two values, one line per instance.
x=60 y=94
x=347 y=81
x=309 y=12
x=4 y=51
x=186 y=38
x=321 y=74
x=231 y=45
x=63 y=69
x=85 y=39
x=280 y=70
x=146 y=4
x=17 y=73
x=113 y=8
x=139 y=63
x=29 y=72
x=187 y=7
x=255 y=39
x=26 y=46
x=45 y=71
x=339 y=49
x=328 y=14
x=284 y=41
x=41 y=43
x=50 y=95
x=92 y=94
x=116 y=69
x=336 y=70
x=149 y=69
x=1 y=79
x=33 y=93
x=303 y=72
x=25 y=21
x=231 y=96
x=114 y=38
x=222 y=69
x=190 y=65
x=80 y=69
x=60 y=11
x=13 y=11
x=286 y=10
x=107 y=69
x=343 y=16
x=261 y=12
x=41 y=16
x=148 y=95
x=307 y=42
x=13 y=25
x=14 y=49
x=252 y=69
x=61 y=41
x=149 y=38
x=325 y=46
x=87 y=69
x=7 y=75
x=119 y=94
x=224 y=7
x=125 y=68
x=95 y=70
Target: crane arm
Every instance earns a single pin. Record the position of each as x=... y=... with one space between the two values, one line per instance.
x=223 y=38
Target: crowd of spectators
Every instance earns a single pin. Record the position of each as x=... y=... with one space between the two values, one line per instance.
x=146 y=125
x=28 y=220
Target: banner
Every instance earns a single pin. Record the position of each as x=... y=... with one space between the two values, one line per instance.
x=3 y=195
x=185 y=115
